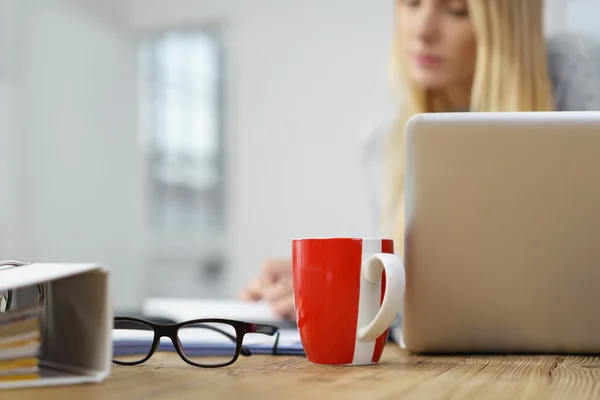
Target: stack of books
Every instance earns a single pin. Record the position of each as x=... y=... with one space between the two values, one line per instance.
x=20 y=341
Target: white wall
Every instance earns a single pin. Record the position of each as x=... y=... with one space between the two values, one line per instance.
x=555 y=18
x=582 y=16
x=575 y=16
x=304 y=79
x=74 y=131
x=8 y=220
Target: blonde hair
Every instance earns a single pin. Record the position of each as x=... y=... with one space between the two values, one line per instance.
x=511 y=74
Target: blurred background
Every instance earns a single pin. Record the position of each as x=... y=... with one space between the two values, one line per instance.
x=181 y=142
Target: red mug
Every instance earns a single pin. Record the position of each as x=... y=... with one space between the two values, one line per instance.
x=347 y=292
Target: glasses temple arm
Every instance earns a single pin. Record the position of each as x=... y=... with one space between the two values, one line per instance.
x=262 y=328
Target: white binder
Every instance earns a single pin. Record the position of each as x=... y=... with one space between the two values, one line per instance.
x=76 y=320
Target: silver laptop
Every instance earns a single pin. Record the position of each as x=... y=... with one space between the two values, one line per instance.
x=503 y=233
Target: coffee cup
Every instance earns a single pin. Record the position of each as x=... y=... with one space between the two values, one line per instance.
x=347 y=292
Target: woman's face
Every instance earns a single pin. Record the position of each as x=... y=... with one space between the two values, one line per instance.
x=439 y=42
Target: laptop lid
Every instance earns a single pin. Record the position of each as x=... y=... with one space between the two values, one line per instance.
x=502 y=232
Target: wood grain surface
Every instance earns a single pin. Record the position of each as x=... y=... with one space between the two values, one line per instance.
x=398 y=376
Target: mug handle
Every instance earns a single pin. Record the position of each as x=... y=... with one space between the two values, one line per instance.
x=393 y=298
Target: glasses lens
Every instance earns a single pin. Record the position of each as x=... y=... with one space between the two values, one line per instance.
x=208 y=344
x=132 y=341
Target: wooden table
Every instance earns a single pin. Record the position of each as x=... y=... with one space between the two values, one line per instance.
x=398 y=376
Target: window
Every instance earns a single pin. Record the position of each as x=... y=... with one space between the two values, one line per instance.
x=182 y=87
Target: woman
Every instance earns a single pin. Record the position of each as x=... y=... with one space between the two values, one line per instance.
x=460 y=55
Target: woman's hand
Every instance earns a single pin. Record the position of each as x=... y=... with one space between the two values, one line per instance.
x=273 y=285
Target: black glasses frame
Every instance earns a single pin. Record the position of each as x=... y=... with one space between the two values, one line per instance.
x=172 y=331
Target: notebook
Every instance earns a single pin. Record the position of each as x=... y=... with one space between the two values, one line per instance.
x=185 y=309
x=20 y=344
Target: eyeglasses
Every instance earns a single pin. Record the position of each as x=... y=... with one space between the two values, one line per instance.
x=207 y=343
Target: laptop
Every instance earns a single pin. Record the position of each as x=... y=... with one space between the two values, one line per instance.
x=502 y=225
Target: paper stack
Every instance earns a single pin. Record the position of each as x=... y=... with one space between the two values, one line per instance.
x=20 y=344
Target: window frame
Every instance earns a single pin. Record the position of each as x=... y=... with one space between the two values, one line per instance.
x=163 y=245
